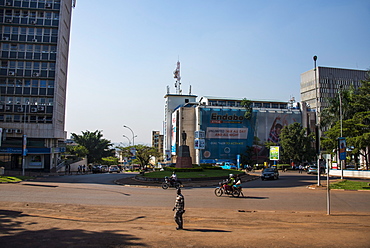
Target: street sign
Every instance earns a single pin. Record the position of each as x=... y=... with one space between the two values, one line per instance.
x=342 y=148
x=199 y=134
x=274 y=152
x=199 y=144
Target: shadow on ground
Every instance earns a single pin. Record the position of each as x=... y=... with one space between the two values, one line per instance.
x=14 y=235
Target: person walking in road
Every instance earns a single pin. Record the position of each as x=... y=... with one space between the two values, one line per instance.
x=300 y=168
x=179 y=209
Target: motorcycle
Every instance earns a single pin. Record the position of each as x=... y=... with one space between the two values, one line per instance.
x=169 y=182
x=228 y=190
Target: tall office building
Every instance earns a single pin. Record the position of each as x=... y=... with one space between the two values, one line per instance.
x=35 y=37
x=329 y=81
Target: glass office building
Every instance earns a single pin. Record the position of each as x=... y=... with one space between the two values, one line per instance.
x=35 y=37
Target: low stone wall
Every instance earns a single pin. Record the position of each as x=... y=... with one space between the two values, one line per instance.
x=350 y=173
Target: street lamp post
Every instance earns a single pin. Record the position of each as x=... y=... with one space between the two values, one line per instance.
x=133 y=135
x=317 y=124
x=129 y=141
x=24 y=139
x=341 y=128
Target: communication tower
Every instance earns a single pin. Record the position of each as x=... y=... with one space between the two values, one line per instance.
x=176 y=75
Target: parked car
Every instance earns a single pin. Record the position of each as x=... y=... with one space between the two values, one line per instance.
x=313 y=169
x=114 y=168
x=104 y=168
x=270 y=173
x=96 y=169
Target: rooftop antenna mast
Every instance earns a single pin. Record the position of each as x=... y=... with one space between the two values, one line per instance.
x=176 y=75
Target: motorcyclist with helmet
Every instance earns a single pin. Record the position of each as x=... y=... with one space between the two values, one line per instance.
x=230 y=182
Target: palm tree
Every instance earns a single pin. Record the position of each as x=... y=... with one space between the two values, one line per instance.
x=96 y=146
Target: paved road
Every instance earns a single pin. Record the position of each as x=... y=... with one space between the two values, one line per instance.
x=91 y=211
x=289 y=193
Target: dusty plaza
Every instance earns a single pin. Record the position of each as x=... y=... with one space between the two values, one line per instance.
x=33 y=223
x=68 y=225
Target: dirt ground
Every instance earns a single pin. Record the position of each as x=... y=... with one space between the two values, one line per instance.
x=65 y=225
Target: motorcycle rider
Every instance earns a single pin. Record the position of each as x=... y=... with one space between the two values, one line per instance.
x=238 y=182
x=231 y=181
x=174 y=179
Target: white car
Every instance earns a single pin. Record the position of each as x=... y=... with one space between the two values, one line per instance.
x=114 y=168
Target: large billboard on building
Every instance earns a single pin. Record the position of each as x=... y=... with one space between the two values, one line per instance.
x=270 y=123
x=228 y=134
x=173 y=132
x=268 y=128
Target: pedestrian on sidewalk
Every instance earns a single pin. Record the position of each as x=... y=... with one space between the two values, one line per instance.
x=179 y=209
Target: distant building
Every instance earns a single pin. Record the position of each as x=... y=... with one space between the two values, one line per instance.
x=35 y=39
x=217 y=130
x=157 y=142
x=329 y=82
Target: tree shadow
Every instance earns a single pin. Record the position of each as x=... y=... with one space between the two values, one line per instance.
x=13 y=234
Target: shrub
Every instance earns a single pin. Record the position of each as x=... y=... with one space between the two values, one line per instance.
x=194 y=169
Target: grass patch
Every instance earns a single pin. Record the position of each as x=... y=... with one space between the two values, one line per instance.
x=350 y=185
x=194 y=174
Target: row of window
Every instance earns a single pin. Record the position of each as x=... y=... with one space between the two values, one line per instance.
x=36 y=66
x=29 y=38
x=28 y=55
x=10 y=100
x=27 y=73
x=11 y=82
x=30 y=21
x=28 y=47
x=26 y=13
x=254 y=104
x=26 y=109
x=27 y=91
x=29 y=31
x=25 y=119
x=48 y=4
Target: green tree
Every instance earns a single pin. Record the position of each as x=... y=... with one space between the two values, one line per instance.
x=95 y=144
x=355 y=124
x=330 y=115
x=79 y=151
x=296 y=144
x=357 y=133
x=247 y=104
x=145 y=153
x=110 y=160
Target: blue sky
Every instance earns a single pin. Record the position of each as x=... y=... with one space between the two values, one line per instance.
x=123 y=54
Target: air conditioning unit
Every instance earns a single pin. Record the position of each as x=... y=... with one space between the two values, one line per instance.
x=9 y=20
x=8 y=3
x=11 y=73
x=9 y=131
x=36 y=74
x=34 y=40
x=20 y=109
x=41 y=108
x=18 y=130
x=34 y=110
x=5 y=38
x=33 y=22
x=48 y=5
